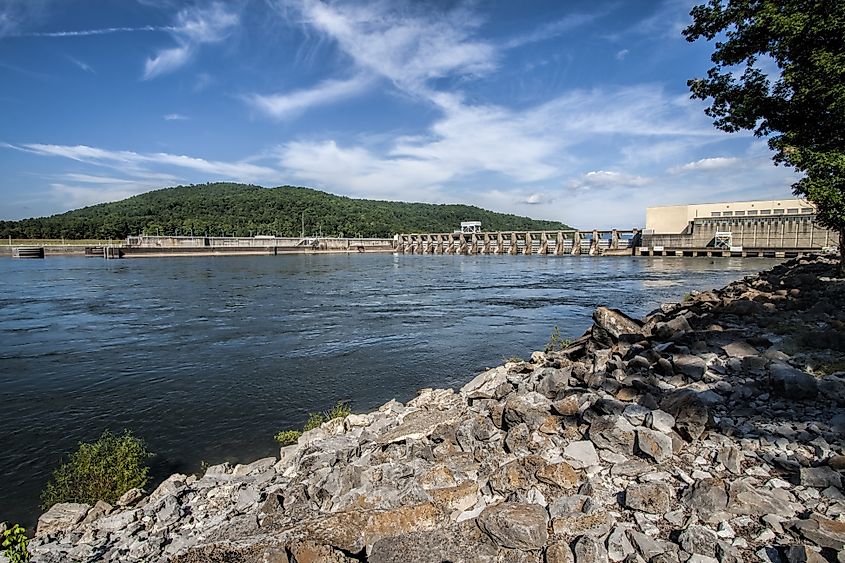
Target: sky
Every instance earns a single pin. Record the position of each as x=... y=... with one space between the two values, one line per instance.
x=571 y=110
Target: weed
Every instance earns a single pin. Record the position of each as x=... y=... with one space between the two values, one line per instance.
x=14 y=545
x=287 y=437
x=556 y=343
x=102 y=470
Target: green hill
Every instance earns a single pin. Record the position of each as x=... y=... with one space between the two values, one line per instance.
x=242 y=210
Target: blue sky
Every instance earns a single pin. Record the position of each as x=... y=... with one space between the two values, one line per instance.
x=575 y=111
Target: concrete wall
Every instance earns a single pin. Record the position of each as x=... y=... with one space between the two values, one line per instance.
x=674 y=219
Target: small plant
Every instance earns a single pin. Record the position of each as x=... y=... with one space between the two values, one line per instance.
x=14 y=545
x=287 y=437
x=341 y=410
x=688 y=297
x=102 y=470
x=556 y=343
x=513 y=360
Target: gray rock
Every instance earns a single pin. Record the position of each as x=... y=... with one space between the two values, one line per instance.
x=792 y=383
x=590 y=550
x=660 y=420
x=698 y=540
x=708 y=498
x=673 y=328
x=553 y=382
x=748 y=498
x=656 y=445
x=559 y=552
x=531 y=408
x=820 y=477
x=689 y=365
x=802 y=554
x=653 y=498
x=573 y=524
x=612 y=432
x=616 y=323
x=619 y=546
x=61 y=517
x=690 y=411
x=731 y=458
x=581 y=454
x=821 y=531
x=130 y=498
x=649 y=547
x=516 y=525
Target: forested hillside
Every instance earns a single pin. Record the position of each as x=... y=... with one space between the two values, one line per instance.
x=245 y=210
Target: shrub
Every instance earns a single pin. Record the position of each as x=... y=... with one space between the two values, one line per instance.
x=288 y=437
x=315 y=419
x=556 y=343
x=340 y=410
x=14 y=545
x=102 y=470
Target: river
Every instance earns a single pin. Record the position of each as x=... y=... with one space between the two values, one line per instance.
x=205 y=358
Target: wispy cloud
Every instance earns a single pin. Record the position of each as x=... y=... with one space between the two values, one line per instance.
x=138 y=162
x=621 y=54
x=605 y=178
x=175 y=117
x=552 y=29
x=194 y=27
x=81 y=64
x=90 y=32
x=290 y=104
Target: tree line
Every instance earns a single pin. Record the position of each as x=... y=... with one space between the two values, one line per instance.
x=218 y=209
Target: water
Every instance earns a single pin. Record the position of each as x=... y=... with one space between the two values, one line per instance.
x=206 y=358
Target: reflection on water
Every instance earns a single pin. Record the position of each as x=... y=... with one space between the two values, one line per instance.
x=206 y=358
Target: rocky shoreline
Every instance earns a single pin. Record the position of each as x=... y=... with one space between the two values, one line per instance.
x=712 y=430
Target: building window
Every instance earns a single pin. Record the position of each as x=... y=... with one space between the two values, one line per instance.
x=807 y=210
x=792 y=211
x=739 y=212
x=715 y=213
x=727 y=213
x=753 y=212
x=765 y=212
x=779 y=212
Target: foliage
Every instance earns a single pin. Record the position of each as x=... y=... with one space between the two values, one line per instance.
x=799 y=106
x=341 y=409
x=102 y=470
x=514 y=360
x=14 y=544
x=225 y=208
x=288 y=437
x=556 y=343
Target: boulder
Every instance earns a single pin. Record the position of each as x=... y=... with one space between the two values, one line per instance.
x=561 y=475
x=792 y=383
x=516 y=525
x=616 y=323
x=698 y=540
x=590 y=550
x=531 y=408
x=61 y=517
x=691 y=366
x=707 y=497
x=581 y=454
x=820 y=477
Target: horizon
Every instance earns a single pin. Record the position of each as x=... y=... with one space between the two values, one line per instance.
x=576 y=113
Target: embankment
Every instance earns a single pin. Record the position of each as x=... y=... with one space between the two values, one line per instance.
x=712 y=430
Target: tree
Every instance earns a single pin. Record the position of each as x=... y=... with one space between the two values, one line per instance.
x=800 y=106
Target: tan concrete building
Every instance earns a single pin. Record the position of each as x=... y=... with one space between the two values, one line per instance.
x=674 y=219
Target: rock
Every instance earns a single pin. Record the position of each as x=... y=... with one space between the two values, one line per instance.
x=559 y=553
x=553 y=382
x=131 y=497
x=698 y=540
x=673 y=328
x=792 y=383
x=459 y=544
x=616 y=323
x=821 y=531
x=531 y=409
x=708 y=498
x=100 y=508
x=619 y=546
x=560 y=474
x=802 y=554
x=648 y=547
x=731 y=458
x=691 y=413
x=61 y=517
x=574 y=524
x=612 y=432
x=581 y=454
x=590 y=550
x=689 y=365
x=516 y=525
x=820 y=477
x=654 y=444
x=653 y=498
x=484 y=385
x=660 y=420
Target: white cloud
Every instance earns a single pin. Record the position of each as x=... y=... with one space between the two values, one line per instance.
x=175 y=117
x=81 y=64
x=620 y=55
x=603 y=178
x=138 y=163
x=551 y=30
x=713 y=163
x=286 y=105
x=194 y=27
